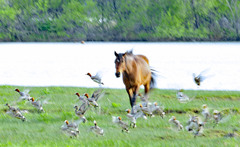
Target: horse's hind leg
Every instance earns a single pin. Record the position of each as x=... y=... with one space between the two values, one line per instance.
x=146 y=90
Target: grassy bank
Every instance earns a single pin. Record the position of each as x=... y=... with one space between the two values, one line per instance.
x=43 y=129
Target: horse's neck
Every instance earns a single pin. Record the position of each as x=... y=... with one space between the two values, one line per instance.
x=129 y=62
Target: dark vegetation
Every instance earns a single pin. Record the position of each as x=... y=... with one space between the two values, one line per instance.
x=119 y=20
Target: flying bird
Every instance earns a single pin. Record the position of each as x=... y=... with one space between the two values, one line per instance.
x=97 y=78
x=97 y=94
x=81 y=111
x=198 y=79
x=23 y=95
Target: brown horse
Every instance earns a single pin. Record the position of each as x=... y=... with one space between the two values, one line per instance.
x=136 y=71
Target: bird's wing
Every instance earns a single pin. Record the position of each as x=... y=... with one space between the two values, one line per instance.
x=46 y=101
x=152 y=107
x=225 y=118
x=26 y=91
x=98 y=94
x=92 y=128
x=202 y=78
x=139 y=114
x=64 y=127
x=83 y=108
x=98 y=75
x=204 y=71
x=77 y=122
x=115 y=119
x=39 y=103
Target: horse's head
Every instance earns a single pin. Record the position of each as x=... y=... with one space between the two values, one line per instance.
x=119 y=63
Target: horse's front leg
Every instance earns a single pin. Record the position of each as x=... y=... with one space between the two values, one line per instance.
x=135 y=93
x=130 y=95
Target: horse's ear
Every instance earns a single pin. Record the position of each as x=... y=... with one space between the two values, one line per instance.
x=115 y=53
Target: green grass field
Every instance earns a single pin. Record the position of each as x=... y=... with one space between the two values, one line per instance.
x=43 y=129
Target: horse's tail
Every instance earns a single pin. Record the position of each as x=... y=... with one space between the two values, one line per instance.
x=153 y=82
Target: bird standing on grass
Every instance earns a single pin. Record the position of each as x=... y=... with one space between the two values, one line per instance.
x=217 y=116
x=181 y=96
x=191 y=124
x=146 y=110
x=37 y=104
x=96 y=78
x=205 y=112
x=11 y=108
x=156 y=108
x=199 y=130
x=70 y=128
x=133 y=117
x=123 y=125
x=195 y=125
x=15 y=112
x=176 y=123
x=96 y=129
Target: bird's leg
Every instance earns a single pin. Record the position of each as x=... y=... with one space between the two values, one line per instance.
x=134 y=125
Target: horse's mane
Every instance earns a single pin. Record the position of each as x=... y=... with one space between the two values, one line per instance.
x=130 y=52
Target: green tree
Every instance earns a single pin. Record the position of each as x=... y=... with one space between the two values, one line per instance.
x=7 y=21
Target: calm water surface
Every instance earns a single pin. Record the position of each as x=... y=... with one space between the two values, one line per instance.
x=66 y=64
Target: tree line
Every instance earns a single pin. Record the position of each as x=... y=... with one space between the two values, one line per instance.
x=119 y=20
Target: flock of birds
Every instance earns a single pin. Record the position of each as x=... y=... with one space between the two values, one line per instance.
x=144 y=109
x=195 y=124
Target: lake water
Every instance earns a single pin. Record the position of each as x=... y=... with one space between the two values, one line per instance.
x=66 y=64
